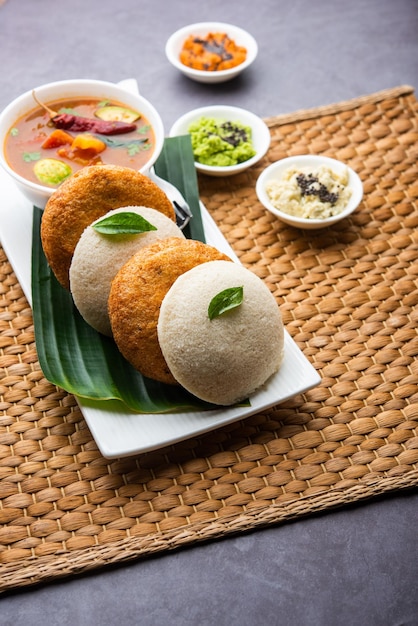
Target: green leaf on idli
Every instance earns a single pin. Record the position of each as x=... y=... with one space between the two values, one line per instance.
x=225 y=300
x=125 y=223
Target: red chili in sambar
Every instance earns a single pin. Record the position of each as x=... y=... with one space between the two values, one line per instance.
x=39 y=152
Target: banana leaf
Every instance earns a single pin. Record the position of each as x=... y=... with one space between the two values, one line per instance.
x=176 y=164
x=80 y=360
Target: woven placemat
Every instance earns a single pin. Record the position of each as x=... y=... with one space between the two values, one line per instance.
x=348 y=295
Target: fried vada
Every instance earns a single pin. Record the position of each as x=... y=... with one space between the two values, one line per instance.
x=97 y=258
x=227 y=358
x=84 y=197
x=136 y=294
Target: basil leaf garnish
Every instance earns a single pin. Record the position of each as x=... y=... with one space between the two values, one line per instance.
x=225 y=300
x=124 y=223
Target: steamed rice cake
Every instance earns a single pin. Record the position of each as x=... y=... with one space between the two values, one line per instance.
x=225 y=359
x=136 y=294
x=98 y=257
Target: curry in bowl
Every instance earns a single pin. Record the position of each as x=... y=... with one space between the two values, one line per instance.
x=56 y=139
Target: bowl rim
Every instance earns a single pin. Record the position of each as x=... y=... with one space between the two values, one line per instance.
x=72 y=82
x=304 y=160
x=178 y=36
x=238 y=111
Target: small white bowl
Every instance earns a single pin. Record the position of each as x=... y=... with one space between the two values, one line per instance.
x=260 y=134
x=37 y=193
x=274 y=172
x=240 y=37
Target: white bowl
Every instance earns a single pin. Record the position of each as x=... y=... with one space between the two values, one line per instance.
x=240 y=37
x=274 y=172
x=37 y=193
x=260 y=134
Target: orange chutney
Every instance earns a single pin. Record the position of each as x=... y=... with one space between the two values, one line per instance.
x=34 y=140
x=212 y=52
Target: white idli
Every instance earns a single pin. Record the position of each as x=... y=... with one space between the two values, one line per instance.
x=97 y=259
x=226 y=359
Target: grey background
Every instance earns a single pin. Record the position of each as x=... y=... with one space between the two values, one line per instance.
x=353 y=566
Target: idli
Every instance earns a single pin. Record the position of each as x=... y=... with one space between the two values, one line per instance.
x=98 y=257
x=227 y=358
x=136 y=294
x=84 y=197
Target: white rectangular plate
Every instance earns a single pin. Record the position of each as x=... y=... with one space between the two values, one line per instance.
x=117 y=431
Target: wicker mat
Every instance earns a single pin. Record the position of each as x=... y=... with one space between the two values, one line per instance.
x=348 y=295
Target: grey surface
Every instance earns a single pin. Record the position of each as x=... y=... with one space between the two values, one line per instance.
x=356 y=565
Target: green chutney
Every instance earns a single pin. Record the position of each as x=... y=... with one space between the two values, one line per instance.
x=221 y=143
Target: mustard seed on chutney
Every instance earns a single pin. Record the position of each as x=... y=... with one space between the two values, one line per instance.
x=53 y=141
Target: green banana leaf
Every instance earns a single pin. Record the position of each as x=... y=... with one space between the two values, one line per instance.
x=176 y=164
x=80 y=360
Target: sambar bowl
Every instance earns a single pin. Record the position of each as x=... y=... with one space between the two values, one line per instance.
x=82 y=89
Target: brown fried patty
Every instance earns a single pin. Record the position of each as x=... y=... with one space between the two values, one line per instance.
x=84 y=197
x=137 y=292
